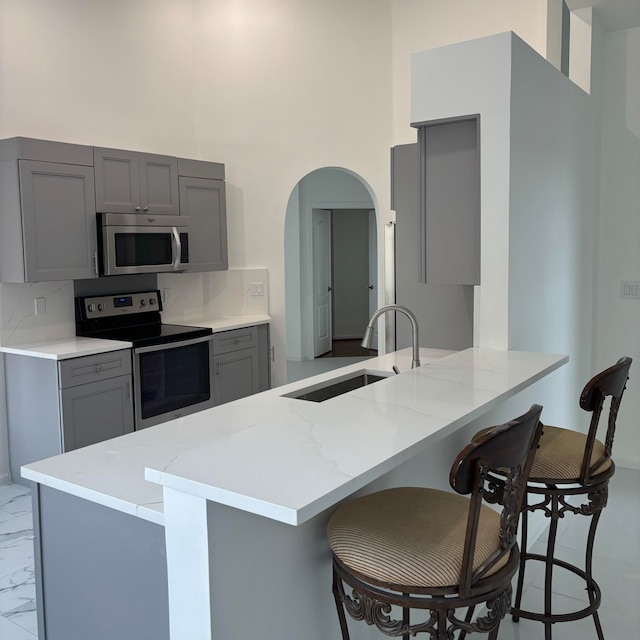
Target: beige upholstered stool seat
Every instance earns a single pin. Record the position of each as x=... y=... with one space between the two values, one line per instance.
x=561 y=453
x=411 y=536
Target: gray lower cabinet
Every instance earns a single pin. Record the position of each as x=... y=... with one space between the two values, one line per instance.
x=57 y=406
x=47 y=212
x=133 y=182
x=240 y=363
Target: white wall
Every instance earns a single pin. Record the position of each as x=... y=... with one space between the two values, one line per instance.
x=538 y=171
x=426 y=24
x=617 y=321
x=553 y=178
x=251 y=84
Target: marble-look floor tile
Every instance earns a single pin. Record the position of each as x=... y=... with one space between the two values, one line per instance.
x=18 y=591
x=19 y=505
x=11 y=631
x=16 y=554
x=26 y=618
x=10 y=492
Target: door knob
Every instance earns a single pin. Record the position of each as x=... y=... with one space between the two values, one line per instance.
x=329 y=289
x=371 y=287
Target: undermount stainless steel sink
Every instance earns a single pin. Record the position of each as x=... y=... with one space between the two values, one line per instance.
x=337 y=386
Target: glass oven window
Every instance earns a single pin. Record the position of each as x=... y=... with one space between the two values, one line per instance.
x=141 y=249
x=174 y=378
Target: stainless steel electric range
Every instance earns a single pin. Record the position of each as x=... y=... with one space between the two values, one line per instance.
x=172 y=364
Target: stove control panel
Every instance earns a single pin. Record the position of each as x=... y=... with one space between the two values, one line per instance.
x=122 y=304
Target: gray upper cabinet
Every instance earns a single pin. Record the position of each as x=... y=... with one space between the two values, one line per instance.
x=47 y=212
x=203 y=200
x=449 y=196
x=132 y=182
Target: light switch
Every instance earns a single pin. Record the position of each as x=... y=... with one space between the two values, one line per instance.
x=256 y=289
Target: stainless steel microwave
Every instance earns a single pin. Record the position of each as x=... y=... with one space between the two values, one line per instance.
x=138 y=243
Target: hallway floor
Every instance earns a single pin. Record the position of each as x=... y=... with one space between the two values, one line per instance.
x=616 y=567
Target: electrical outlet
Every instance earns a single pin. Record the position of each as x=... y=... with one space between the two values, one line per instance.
x=630 y=290
x=40 y=306
x=256 y=289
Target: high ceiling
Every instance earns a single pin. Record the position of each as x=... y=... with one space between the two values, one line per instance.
x=614 y=14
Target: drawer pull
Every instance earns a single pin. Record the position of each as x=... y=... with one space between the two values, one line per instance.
x=98 y=368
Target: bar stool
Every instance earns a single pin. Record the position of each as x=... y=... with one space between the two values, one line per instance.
x=568 y=464
x=423 y=549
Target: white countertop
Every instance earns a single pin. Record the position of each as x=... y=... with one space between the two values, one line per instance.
x=75 y=347
x=64 y=348
x=289 y=459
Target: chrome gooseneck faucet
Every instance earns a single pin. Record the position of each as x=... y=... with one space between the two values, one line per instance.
x=368 y=333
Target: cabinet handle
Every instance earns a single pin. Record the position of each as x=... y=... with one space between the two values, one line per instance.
x=137 y=208
x=95 y=262
x=218 y=368
x=145 y=208
x=98 y=368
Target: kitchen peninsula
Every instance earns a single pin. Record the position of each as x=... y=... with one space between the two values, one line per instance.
x=212 y=526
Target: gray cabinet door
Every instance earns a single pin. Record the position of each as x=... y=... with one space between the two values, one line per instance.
x=132 y=182
x=159 y=184
x=450 y=202
x=117 y=180
x=95 y=412
x=204 y=201
x=58 y=221
x=236 y=375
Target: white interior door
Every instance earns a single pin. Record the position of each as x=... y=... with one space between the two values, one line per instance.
x=373 y=273
x=322 y=331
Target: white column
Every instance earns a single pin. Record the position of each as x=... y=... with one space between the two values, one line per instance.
x=188 y=565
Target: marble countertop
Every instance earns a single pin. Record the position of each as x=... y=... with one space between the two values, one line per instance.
x=288 y=459
x=65 y=348
x=76 y=347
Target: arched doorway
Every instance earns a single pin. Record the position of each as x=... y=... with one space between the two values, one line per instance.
x=331 y=268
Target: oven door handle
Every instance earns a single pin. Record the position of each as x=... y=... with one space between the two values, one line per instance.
x=165 y=346
x=177 y=247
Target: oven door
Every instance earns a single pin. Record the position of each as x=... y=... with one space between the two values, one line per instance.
x=172 y=380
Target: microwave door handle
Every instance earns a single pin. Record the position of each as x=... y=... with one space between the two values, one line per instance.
x=177 y=245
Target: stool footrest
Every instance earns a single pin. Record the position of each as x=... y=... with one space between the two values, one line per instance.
x=591 y=585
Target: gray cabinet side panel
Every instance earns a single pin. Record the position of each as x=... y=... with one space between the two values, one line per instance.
x=33 y=415
x=444 y=312
x=103 y=573
x=11 y=251
x=264 y=357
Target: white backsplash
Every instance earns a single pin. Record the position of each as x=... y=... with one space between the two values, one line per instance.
x=18 y=321
x=192 y=297
x=198 y=296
